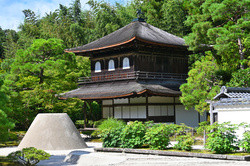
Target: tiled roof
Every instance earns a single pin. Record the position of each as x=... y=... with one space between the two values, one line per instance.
x=135 y=30
x=232 y=101
x=120 y=89
x=229 y=92
x=232 y=96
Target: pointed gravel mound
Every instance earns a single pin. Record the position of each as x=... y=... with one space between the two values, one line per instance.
x=52 y=131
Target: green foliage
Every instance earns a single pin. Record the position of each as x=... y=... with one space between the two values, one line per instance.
x=245 y=142
x=223 y=24
x=157 y=137
x=2 y=40
x=107 y=125
x=112 y=137
x=29 y=156
x=173 y=128
x=240 y=78
x=5 y=123
x=36 y=76
x=203 y=127
x=110 y=131
x=184 y=140
x=99 y=122
x=222 y=138
x=174 y=15
x=133 y=134
x=202 y=84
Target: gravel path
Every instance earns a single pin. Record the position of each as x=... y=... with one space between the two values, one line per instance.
x=87 y=157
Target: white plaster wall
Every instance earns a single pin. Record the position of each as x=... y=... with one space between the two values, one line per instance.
x=188 y=117
x=170 y=110
x=138 y=100
x=126 y=112
x=164 y=110
x=142 y=112
x=235 y=114
x=107 y=102
x=106 y=112
x=121 y=101
x=133 y=112
x=159 y=99
x=118 y=113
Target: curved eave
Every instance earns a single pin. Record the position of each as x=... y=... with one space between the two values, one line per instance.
x=107 y=97
x=149 y=92
x=123 y=43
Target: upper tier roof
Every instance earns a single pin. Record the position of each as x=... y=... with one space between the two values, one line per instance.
x=135 y=30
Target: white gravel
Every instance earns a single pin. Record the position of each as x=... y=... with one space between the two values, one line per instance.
x=87 y=157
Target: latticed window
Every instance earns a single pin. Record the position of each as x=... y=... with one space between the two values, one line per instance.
x=111 y=65
x=126 y=64
x=98 y=67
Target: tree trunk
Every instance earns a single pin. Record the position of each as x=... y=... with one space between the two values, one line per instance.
x=241 y=53
x=41 y=76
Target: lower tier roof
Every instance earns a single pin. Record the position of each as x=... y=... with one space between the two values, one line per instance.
x=123 y=89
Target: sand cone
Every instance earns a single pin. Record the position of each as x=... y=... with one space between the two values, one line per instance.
x=52 y=131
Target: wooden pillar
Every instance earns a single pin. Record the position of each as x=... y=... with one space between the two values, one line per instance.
x=90 y=109
x=85 y=114
x=174 y=112
x=211 y=113
x=147 y=107
x=199 y=117
x=102 y=108
x=113 y=108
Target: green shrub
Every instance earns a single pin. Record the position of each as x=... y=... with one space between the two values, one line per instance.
x=157 y=137
x=203 y=127
x=222 y=138
x=133 y=134
x=112 y=137
x=173 y=128
x=97 y=123
x=245 y=142
x=184 y=140
x=29 y=156
x=79 y=124
x=107 y=125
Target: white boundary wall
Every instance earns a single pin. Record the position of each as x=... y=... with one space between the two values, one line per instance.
x=235 y=114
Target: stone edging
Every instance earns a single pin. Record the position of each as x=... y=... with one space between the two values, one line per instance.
x=171 y=153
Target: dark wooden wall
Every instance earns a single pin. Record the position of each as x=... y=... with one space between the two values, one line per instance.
x=163 y=64
x=118 y=65
x=167 y=60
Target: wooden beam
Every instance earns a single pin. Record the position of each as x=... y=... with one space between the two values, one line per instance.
x=142 y=104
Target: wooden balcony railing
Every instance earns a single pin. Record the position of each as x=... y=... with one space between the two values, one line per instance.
x=132 y=75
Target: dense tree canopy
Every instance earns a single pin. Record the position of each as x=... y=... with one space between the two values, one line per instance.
x=5 y=123
x=34 y=67
x=37 y=74
x=221 y=26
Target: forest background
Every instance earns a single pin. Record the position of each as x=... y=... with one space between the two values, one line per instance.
x=34 y=67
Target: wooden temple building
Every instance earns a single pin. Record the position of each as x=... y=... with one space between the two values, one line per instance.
x=136 y=73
